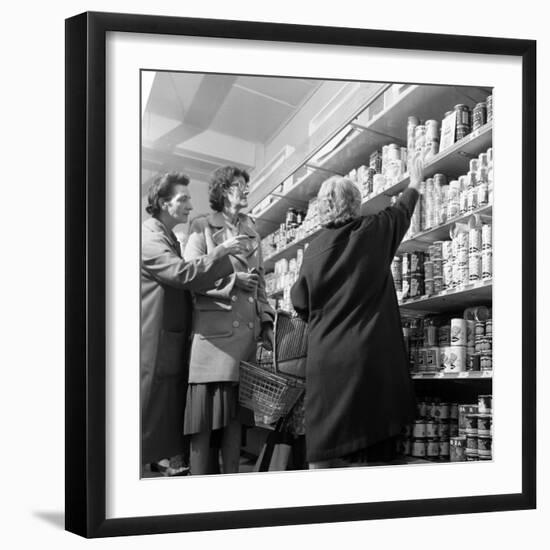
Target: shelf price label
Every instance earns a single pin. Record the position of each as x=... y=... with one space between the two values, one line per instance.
x=486 y=373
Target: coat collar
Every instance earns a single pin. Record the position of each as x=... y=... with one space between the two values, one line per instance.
x=217 y=222
x=155 y=225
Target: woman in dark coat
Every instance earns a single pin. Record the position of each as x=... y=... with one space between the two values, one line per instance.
x=166 y=311
x=358 y=387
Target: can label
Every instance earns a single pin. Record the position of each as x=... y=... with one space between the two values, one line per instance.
x=471 y=444
x=419 y=429
x=470 y=424
x=438 y=285
x=487 y=264
x=474 y=239
x=444 y=447
x=470 y=333
x=406 y=264
x=486 y=236
x=453 y=411
x=458 y=332
x=448 y=274
x=429 y=288
x=435 y=250
x=421 y=408
x=432 y=429
x=484 y=422
x=484 y=446
x=429 y=270
x=463 y=410
x=486 y=362
x=444 y=335
x=432 y=447
x=437 y=268
x=430 y=335
x=472 y=199
x=433 y=359
x=485 y=404
x=417 y=262
x=457 y=449
x=418 y=448
x=447 y=250
x=462 y=257
x=444 y=429
x=475 y=267
x=453 y=359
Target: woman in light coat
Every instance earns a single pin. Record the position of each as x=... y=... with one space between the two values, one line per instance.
x=229 y=320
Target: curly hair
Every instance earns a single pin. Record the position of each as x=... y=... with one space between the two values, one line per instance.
x=339 y=201
x=221 y=181
x=163 y=188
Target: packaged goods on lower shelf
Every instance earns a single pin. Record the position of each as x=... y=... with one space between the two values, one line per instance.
x=464 y=259
x=450 y=344
x=454 y=432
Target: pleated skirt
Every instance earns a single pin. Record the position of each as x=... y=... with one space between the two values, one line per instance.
x=210 y=406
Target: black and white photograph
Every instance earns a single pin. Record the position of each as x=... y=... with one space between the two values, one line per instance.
x=316 y=274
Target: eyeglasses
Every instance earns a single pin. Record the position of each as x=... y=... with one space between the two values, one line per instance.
x=243 y=186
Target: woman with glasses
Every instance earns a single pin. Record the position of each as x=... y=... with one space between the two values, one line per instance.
x=229 y=320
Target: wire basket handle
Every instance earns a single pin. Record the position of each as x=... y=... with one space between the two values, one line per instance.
x=278 y=313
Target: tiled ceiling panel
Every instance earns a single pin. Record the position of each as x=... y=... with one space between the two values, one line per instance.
x=290 y=90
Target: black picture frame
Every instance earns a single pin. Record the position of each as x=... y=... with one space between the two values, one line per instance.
x=86 y=262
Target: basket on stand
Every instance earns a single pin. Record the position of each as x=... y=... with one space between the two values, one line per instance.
x=272 y=389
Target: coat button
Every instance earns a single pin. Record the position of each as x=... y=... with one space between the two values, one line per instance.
x=250 y=299
x=236 y=324
x=250 y=326
x=233 y=298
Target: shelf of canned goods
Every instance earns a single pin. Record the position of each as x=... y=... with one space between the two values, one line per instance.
x=443 y=268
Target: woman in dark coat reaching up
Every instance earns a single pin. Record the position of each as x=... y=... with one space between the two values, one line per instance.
x=358 y=388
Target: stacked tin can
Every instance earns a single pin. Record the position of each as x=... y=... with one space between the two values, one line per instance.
x=431 y=139
x=474 y=430
x=463 y=121
x=428 y=436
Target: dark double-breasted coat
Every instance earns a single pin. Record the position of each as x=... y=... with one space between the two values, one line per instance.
x=166 y=319
x=358 y=387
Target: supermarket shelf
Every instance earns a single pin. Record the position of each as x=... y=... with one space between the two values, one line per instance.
x=452 y=162
x=474 y=294
x=368 y=133
x=289 y=251
x=468 y=375
x=422 y=240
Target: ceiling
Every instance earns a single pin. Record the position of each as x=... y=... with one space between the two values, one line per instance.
x=198 y=122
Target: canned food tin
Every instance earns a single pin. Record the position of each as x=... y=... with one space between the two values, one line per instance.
x=470 y=332
x=462 y=240
x=444 y=411
x=479 y=115
x=472 y=199
x=475 y=239
x=421 y=359
x=397 y=269
x=453 y=411
x=453 y=428
x=431 y=408
x=444 y=447
x=463 y=117
x=446 y=250
x=453 y=359
x=487 y=264
x=475 y=268
x=471 y=444
x=470 y=424
x=486 y=236
x=463 y=410
x=461 y=132
x=438 y=285
x=475 y=362
x=419 y=428
x=436 y=250
x=432 y=447
x=437 y=268
x=484 y=424
x=486 y=361
x=462 y=257
x=463 y=201
x=489 y=105
x=483 y=343
x=484 y=446
x=421 y=409
x=418 y=448
x=482 y=193
x=479 y=329
x=417 y=262
x=444 y=428
x=458 y=332
x=489 y=327
x=432 y=428
x=429 y=270
x=433 y=359
x=457 y=449
x=405 y=287
x=417 y=286
x=429 y=287
x=448 y=274
x=485 y=404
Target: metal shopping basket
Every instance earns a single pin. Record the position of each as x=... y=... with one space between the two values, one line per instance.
x=263 y=387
